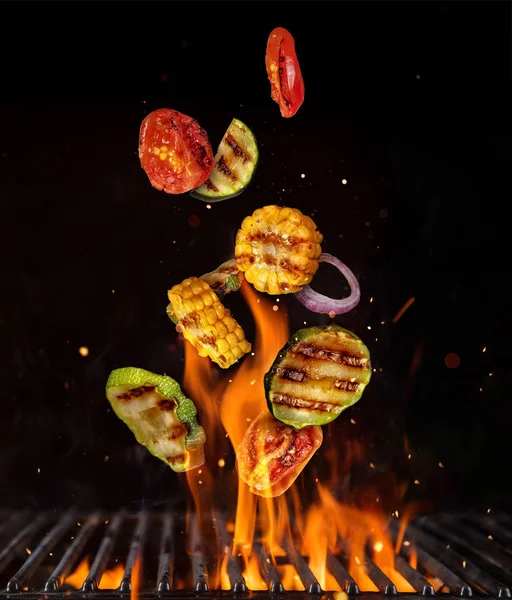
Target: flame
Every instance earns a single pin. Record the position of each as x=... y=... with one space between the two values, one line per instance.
x=110 y=579
x=227 y=402
x=241 y=401
x=136 y=577
x=252 y=574
x=79 y=575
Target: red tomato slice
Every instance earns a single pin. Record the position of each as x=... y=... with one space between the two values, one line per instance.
x=272 y=454
x=283 y=71
x=174 y=151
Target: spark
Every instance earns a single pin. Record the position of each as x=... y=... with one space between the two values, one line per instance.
x=372 y=466
x=83 y=351
x=407 y=543
x=200 y=482
x=113 y=291
x=378 y=546
x=440 y=465
x=376 y=339
x=200 y=471
x=253 y=382
x=488 y=510
x=106 y=458
x=38 y=470
x=353 y=421
x=464 y=563
x=377 y=499
x=79 y=524
x=275 y=308
x=357 y=560
x=371 y=299
x=369 y=327
x=248 y=419
x=396 y=514
x=409 y=457
x=303 y=175
x=417 y=76
x=277 y=299
x=208 y=206
x=382 y=322
x=491 y=374
x=28 y=551
x=304 y=322
x=484 y=348
x=416 y=482
x=489 y=537
x=344 y=181
x=375 y=370
x=332 y=314
x=400 y=313
x=481 y=389
x=221 y=462
x=252 y=354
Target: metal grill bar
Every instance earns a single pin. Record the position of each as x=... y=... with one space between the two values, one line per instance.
x=72 y=553
x=199 y=573
x=341 y=575
x=471 y=540
x=233 y=567
x=418 y=582
x=39 y=554
x=165 y=566
x=309 y=581
x=136 y=548
x=459 y=565
x=491 y=527
x=379 y=578
x=103 y=554
x=26 y=534
x=268 y=570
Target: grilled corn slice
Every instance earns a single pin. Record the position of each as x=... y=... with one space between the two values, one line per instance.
x=278 y=248
x=205 y=323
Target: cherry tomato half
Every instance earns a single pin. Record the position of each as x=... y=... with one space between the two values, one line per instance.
x=272 y=454
x=284 y=72
x=174 y=151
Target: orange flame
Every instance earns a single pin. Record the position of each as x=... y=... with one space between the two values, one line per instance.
x=110 y=580
x=136 y=577
x=228 y=402
x=79 y=575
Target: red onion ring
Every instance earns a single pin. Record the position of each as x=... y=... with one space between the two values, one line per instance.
x=316 y=302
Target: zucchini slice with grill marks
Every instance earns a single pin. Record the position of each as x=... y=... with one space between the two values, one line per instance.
x=234 y=166
x=318 y=374
x=160 y=416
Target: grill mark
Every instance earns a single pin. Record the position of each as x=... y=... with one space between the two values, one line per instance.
x=291 y=374
x=136 y=392
x=211 y=186
x=294 y=402
x=283 y=286
x=273 y=238
x=167 y=404
x=348 y=386
x=180 y=458
x=268 y=259
x=225 y=170
x=312 y=351
x=237 y=149
x=177 y=431
x=207 y=339
x=192 y=319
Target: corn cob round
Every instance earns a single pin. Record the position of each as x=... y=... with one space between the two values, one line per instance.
x=278 y=248
x=206 y=324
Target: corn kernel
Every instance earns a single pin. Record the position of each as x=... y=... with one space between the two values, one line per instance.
x=162 y=155
x=205 y=323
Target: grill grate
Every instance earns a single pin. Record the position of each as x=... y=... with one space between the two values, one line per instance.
x=469 y=555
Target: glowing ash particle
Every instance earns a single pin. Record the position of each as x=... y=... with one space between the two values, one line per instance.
x=83 y=351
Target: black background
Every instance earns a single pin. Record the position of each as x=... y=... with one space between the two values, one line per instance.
x=409 y=102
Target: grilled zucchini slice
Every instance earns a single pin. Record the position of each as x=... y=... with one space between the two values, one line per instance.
x=160 y=416
x=318 y=374
x=234 y=165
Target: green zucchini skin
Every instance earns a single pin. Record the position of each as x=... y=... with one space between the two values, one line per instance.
x=234 y=166
x=319 y=373
x=160 y=416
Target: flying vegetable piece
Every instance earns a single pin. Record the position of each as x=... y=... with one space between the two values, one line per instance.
x=272 y=455
x=174 y=151
x=283 y=71
x=160 y=416
x=225 y=279
x=277 y=248
x=235 y=163
x=318 y=374
x=205 y=323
